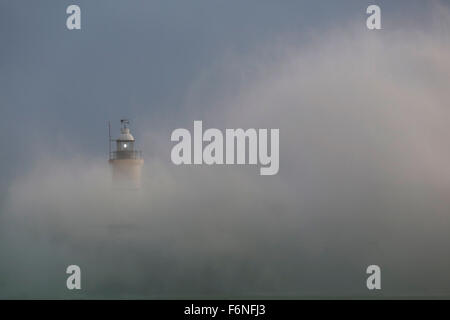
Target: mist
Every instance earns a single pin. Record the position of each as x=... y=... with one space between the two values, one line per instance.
x=364 y=179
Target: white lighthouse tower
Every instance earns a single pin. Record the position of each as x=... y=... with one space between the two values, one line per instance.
x=126 y=162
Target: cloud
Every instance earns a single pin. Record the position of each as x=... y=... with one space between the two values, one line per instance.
x=364 y=179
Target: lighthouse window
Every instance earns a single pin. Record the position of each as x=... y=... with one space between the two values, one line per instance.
x=127 y=146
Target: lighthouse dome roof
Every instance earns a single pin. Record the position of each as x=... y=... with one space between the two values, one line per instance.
x=125 y=135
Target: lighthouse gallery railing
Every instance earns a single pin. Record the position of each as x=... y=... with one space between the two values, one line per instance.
x=116 y=155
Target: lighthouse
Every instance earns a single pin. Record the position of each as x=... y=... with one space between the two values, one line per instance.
x=126 y=161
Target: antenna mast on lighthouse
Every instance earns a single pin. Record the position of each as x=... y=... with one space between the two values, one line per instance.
x=109 y=141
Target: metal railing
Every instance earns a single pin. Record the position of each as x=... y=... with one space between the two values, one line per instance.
x=116 y=155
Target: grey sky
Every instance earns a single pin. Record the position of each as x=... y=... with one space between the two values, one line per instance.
x=138 y=58
x=363 y=118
